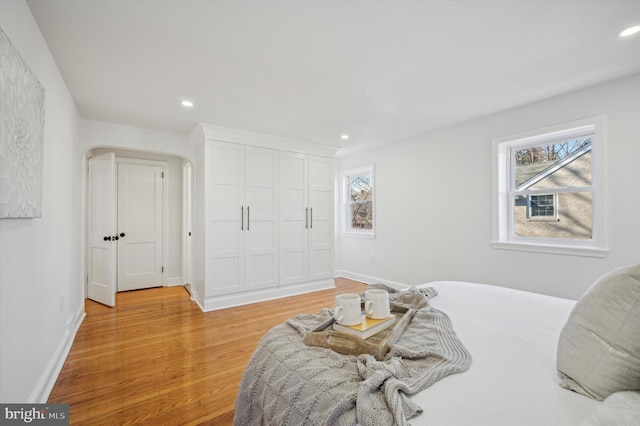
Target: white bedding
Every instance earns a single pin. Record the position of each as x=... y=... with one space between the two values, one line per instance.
x=512 y=337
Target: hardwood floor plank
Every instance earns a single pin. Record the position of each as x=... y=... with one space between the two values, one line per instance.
x=157 y=359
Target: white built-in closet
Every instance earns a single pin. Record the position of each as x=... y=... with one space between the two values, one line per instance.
x=264 y=217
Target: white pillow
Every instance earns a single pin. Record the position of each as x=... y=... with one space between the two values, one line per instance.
x=599 y=346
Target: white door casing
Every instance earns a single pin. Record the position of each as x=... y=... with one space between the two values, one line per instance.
x=140 y=223
x=101 y=225
x=187 y=227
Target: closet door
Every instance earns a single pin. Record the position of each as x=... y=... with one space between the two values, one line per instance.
x=225 y=218
x=294 y=218
x=321 y=181
x=261 y=218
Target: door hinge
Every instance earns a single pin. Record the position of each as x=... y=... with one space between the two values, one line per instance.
x=162 y=175
x=162 y=270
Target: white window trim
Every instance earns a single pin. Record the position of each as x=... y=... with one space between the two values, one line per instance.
x=345 y=214
x=502 y=238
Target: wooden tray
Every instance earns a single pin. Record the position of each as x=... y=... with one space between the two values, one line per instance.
x=376 y=345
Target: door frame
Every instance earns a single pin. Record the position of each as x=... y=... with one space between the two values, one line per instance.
x=89 y=153
x=188 y=227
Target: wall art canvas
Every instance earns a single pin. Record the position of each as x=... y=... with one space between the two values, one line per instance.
x=21 y=135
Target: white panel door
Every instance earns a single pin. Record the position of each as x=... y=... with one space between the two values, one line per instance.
x=321 y=181
x=294 y=218
x=261 y=225
x=140 y=224
x=101 y=223
x=225 y=218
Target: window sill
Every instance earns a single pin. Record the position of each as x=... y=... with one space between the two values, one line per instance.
x=551 y=248
x=368 y=235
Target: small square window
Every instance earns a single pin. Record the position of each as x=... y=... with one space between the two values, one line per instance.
x=542 y=206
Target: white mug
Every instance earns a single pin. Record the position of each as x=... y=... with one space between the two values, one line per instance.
x=376 y=304
x=348 y=309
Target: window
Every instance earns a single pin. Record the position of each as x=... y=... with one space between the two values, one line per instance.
x=547 y=190
x=541 y=207
x=358 y=202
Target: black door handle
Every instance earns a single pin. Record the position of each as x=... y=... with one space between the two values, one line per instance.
x=122 y=235
x=116 y=238
x=107 y=238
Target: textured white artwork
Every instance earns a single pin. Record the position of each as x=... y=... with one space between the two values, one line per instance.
x=21 y=135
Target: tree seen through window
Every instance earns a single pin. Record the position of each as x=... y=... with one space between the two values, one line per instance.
x=361 y=201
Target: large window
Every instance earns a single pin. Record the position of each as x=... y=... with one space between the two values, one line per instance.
x=548 y=190
x=358 y=201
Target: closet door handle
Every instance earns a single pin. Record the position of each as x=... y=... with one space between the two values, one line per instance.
x=306 y=217
x=248 y=218
x=242 y=218
x=311 y=218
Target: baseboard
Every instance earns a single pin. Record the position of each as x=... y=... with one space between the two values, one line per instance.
x=200 y=305
x=369 y=279
x=174 y=281
x=43 y=388
x=213 y=303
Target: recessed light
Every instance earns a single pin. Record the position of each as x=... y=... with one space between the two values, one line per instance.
x=187 y=104
x=629 y=31
x=344 y=137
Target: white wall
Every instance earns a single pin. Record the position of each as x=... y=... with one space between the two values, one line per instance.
x=434 y=205
x=96 y=134
x=41 y=299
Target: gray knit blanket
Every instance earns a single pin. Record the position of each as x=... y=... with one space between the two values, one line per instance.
x=289 y=383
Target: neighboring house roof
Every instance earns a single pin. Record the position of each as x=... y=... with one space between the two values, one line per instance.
x=535 y=172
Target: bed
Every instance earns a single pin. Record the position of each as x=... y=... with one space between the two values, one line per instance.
x=512 y=337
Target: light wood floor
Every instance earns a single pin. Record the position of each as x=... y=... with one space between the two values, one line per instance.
x=157 y=359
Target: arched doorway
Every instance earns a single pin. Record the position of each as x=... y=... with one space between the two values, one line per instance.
x=123 y=259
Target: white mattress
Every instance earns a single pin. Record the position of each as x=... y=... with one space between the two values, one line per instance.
x=512 y=336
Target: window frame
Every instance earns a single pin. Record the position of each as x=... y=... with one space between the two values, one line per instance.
x=503 y=217
x=345 y=202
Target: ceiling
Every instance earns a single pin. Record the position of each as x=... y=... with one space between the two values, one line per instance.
x=379 y=71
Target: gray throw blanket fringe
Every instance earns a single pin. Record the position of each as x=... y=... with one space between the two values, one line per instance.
x=289 y=383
